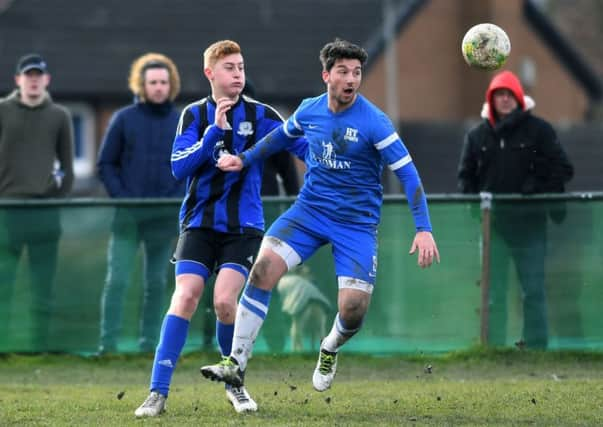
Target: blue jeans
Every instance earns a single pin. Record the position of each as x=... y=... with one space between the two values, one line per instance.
x=519 y=238
x=154 y=230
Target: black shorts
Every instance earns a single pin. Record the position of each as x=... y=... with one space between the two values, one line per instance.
x=214 y=249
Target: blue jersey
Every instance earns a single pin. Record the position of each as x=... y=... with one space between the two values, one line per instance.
x=346 y=154
x=225 y=202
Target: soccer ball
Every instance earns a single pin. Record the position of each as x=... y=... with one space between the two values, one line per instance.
x=486 y=47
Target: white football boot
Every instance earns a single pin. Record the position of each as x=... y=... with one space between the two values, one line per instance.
x=153 y=406
x=240 y=399
x=325 y=370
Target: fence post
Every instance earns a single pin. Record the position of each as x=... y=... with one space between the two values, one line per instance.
x=486 y=207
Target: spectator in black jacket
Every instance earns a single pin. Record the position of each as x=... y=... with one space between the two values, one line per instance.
x=279 y=179
x=134 y=162
x=513 y=151
x=280 y=173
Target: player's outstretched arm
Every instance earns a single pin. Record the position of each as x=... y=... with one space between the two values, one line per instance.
x=275 y=141
x=427 y=250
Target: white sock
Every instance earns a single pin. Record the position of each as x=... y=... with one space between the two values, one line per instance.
x=338 y=336
x=251 y=313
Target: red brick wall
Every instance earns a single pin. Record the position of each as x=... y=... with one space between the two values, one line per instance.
x=435 y=84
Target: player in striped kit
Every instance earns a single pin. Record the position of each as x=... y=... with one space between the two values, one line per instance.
x=221 y=218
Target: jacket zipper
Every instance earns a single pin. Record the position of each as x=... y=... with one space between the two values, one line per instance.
x=502 y=143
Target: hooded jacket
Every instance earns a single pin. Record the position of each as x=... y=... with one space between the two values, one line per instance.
x=32 y=139
x=519 y=153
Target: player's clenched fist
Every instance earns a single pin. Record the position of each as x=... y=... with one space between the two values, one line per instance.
x=230 y=163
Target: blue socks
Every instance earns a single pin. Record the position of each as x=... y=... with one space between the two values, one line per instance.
x=224 y=334
x=171 y=341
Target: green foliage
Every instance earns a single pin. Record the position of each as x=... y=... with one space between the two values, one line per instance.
x=477 y=387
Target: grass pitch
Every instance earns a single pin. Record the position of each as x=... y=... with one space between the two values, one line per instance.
x=478 y=388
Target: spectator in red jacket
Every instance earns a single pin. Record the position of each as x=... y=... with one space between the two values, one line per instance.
x=514 y=151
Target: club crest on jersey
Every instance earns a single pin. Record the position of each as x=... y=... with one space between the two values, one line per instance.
x=351 y=135
x=219 y=150
x=327 y=151
x=245 y=129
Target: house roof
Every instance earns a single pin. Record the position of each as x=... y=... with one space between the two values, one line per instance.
x=566 y=52
x=89 y=45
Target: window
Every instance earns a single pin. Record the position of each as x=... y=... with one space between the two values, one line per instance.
x=84 y=138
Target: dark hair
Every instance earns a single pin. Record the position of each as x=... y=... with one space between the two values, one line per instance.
x=153 y=64
x=341 y=49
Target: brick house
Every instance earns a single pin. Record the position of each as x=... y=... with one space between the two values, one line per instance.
x=420 y=78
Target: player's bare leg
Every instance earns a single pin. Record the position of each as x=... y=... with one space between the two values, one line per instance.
x=353 y=304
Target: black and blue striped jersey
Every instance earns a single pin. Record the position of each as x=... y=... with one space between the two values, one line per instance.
x=223 y=201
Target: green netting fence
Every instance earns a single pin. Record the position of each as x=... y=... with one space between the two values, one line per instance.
x=474 y=296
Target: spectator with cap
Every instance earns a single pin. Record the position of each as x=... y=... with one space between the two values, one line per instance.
x=36 y=161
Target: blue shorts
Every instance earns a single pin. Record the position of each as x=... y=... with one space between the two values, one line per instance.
x=354 y=246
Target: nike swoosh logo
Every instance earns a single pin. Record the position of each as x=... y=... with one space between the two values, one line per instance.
x=312 y=126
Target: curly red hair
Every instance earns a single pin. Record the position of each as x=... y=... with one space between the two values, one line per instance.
x=219 y=50
x=152 y=60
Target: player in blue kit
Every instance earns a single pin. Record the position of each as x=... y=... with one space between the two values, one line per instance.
x=221 y=218
x=350 y=140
